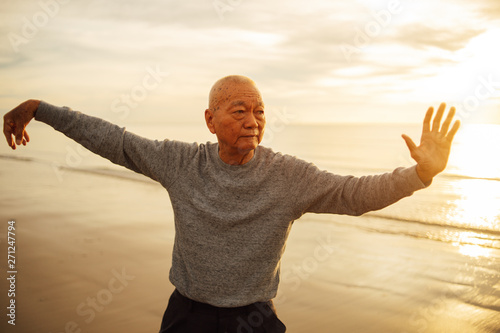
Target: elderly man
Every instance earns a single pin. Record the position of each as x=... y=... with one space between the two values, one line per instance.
x=234 y=201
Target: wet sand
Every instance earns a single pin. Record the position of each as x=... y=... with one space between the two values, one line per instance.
x=93 y=254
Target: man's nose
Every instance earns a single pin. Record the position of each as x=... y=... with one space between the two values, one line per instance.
x=251 y=121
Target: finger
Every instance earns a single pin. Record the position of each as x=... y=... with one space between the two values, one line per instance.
x=453 y=131
x=409 y=143
x=437 y=119
x=19 y=133
x=447 y=121
x=7 y=131
x=26 y=136
x=427 y=119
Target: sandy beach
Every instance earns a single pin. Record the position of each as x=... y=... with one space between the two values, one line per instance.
x=93 y=254
x=72 y=248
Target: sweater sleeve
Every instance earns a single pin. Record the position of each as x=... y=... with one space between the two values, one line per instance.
x=319 y=191
x=111 y=141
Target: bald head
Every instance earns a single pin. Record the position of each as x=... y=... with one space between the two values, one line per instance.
x=221 y=90
x=236 y=116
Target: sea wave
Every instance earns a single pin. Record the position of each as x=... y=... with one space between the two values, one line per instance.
x=433 y=223
x=126 y=174
x=422 y=228
x=99 y=171
x=430 y=230
x=361 y=168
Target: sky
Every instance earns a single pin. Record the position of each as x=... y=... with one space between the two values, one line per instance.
x=154 y=61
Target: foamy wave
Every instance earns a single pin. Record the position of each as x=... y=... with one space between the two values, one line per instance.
x=122 y=174
x=432 y=223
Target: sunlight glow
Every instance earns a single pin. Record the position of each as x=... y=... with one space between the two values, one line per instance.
x=475 y=151
x=477 y=205
x=472 y=244
x=459 y=76
x=474 y=251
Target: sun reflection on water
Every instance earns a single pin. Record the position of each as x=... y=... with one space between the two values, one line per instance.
x=475 y=160
x=474 y=251
x=478 y=205
x=477 y=208
x=470 y=243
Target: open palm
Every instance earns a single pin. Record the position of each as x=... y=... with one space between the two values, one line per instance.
x=435 y=144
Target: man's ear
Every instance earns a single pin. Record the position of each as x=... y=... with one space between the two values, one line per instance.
x=209 y=119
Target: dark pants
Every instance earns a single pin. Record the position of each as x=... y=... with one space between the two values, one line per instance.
x=184 y=315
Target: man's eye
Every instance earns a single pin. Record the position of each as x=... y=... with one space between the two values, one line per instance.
x=239 y=112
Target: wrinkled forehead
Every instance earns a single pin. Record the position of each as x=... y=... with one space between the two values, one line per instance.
x=233 y=94
x=246 y=103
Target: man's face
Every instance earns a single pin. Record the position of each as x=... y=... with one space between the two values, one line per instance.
x=238 y=119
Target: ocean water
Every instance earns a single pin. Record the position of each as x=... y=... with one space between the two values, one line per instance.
x=460 y=210
x=462 y=206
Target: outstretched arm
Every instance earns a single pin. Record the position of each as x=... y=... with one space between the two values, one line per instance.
x=15 y=122
x=152 y=158
x=435 y=144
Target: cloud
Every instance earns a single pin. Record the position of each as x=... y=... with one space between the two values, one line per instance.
x=489 y=9
x=421 y=36
x=291 y=48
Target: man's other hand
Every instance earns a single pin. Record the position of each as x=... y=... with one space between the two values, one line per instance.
x=15 y=122
x=435 y=144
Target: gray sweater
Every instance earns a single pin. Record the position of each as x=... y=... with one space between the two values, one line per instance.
x=231 y=222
